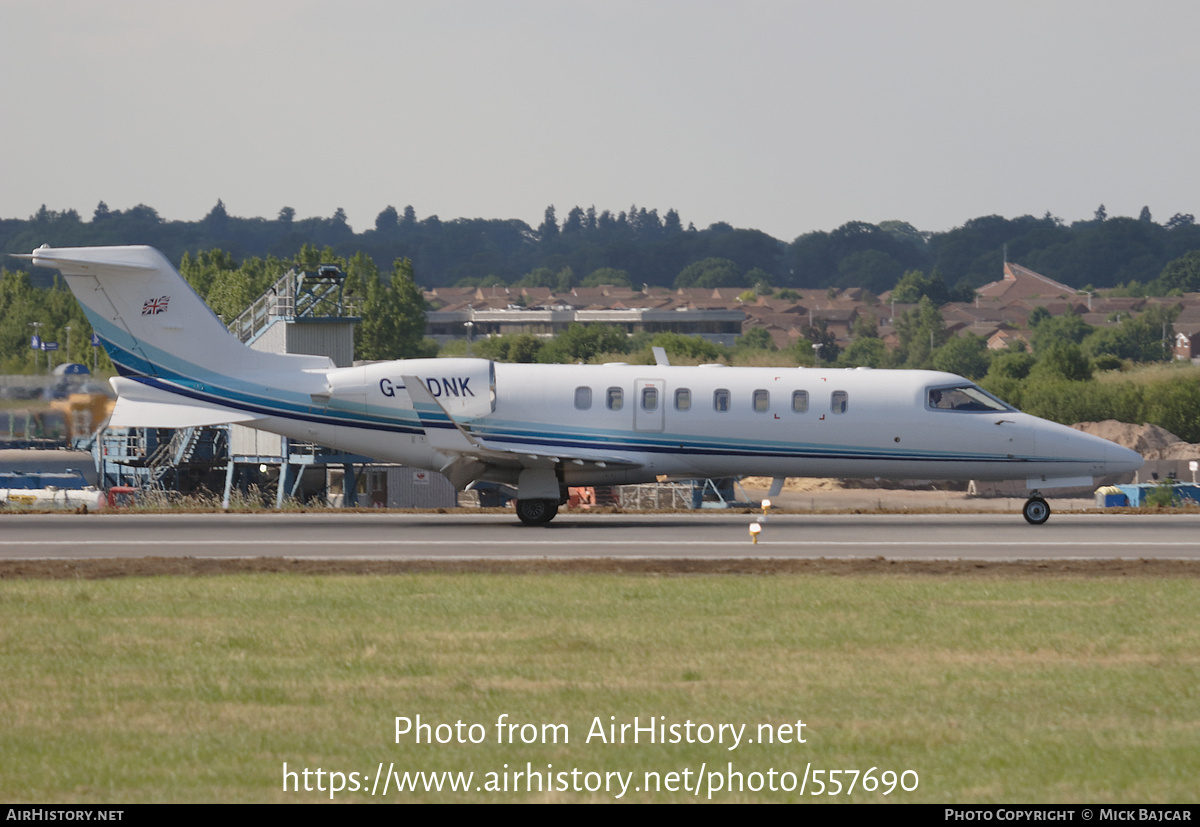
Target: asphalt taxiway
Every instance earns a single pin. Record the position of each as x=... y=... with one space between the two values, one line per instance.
x=458 y=535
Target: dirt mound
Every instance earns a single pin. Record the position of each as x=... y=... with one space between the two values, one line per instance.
x=1151 y=441
x=794 y=484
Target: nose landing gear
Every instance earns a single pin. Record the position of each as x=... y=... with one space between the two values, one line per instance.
x=1036 y=510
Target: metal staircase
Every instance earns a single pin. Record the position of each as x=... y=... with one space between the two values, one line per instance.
x=296 y=295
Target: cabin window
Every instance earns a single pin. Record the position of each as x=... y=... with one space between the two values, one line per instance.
x=762 y=401
x=650 y=398
x=800 y=401
x=839 y=402
x=721 y=400
x=614 y=399
x=683 y=399
x=583 y=397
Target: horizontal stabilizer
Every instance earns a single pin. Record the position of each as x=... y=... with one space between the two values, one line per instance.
x=132 y=414
x=140 y=406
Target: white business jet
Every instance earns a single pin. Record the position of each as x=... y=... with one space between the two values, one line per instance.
x=542 y=428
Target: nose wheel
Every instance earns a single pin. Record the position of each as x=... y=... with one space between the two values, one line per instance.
x=1036 y=510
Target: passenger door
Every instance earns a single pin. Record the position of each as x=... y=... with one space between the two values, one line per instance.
x=649 y=404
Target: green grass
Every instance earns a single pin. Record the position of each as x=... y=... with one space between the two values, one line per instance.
x=992 y=690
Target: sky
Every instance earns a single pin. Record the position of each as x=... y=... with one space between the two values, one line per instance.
x=787 y=117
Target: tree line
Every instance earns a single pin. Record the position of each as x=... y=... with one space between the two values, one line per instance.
x=638 y=246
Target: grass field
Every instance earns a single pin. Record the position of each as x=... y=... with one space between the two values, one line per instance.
x=1013 y=689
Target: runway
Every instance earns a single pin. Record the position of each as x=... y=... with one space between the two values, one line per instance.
x=464 y=536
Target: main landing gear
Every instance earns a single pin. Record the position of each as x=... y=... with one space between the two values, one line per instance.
x=1036 y=509
x=536 y=512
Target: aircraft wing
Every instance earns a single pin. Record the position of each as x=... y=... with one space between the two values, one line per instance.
x=450 y=437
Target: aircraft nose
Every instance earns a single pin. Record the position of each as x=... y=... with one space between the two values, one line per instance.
x=1121 y=460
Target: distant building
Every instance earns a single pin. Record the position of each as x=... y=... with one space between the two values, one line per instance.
x=1187 y=344
x=1022 y=284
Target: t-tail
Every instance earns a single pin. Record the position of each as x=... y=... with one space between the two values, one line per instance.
x=179 y=364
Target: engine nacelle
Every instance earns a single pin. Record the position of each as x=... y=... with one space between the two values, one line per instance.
x=466 y=388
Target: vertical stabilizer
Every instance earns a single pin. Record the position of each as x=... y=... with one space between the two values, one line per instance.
x=150 y=320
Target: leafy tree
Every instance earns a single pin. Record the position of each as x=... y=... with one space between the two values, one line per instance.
x=1143 y=338
x=914 y=284
x=1011 y=365
x=1062 y=359
x=607 y=275
x=1106 y=361
x=920 y=330
x=388 y=220
x=1065 y=328
x=538 y=277
x=393 y=321
x=582 y=343
x=756 y=338
x=818 y=333
x=873 y=269
x=548 y=230
x=903 y=231
x=230 y=293
x=1176 y=407
x=511 y=347
x=964 y=355
x=711 y=272
x=687 y=348
x=866 y=352
x=1039 y=315
x=1182 y=274
x=866 y=326
x=201 y=271
x=573 y=225
x=217 y=216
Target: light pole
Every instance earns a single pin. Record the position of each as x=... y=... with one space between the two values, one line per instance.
x=817 y=354
x=68 y=329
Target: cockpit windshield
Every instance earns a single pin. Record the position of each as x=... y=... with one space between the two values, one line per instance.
x=964 y=398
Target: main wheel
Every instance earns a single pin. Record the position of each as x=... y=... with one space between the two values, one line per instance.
x=1036 y=511
x=536 y=512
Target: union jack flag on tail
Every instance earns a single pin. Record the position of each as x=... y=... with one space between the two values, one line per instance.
x=153 y=307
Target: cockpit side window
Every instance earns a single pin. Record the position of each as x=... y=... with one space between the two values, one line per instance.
x=963 y=398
